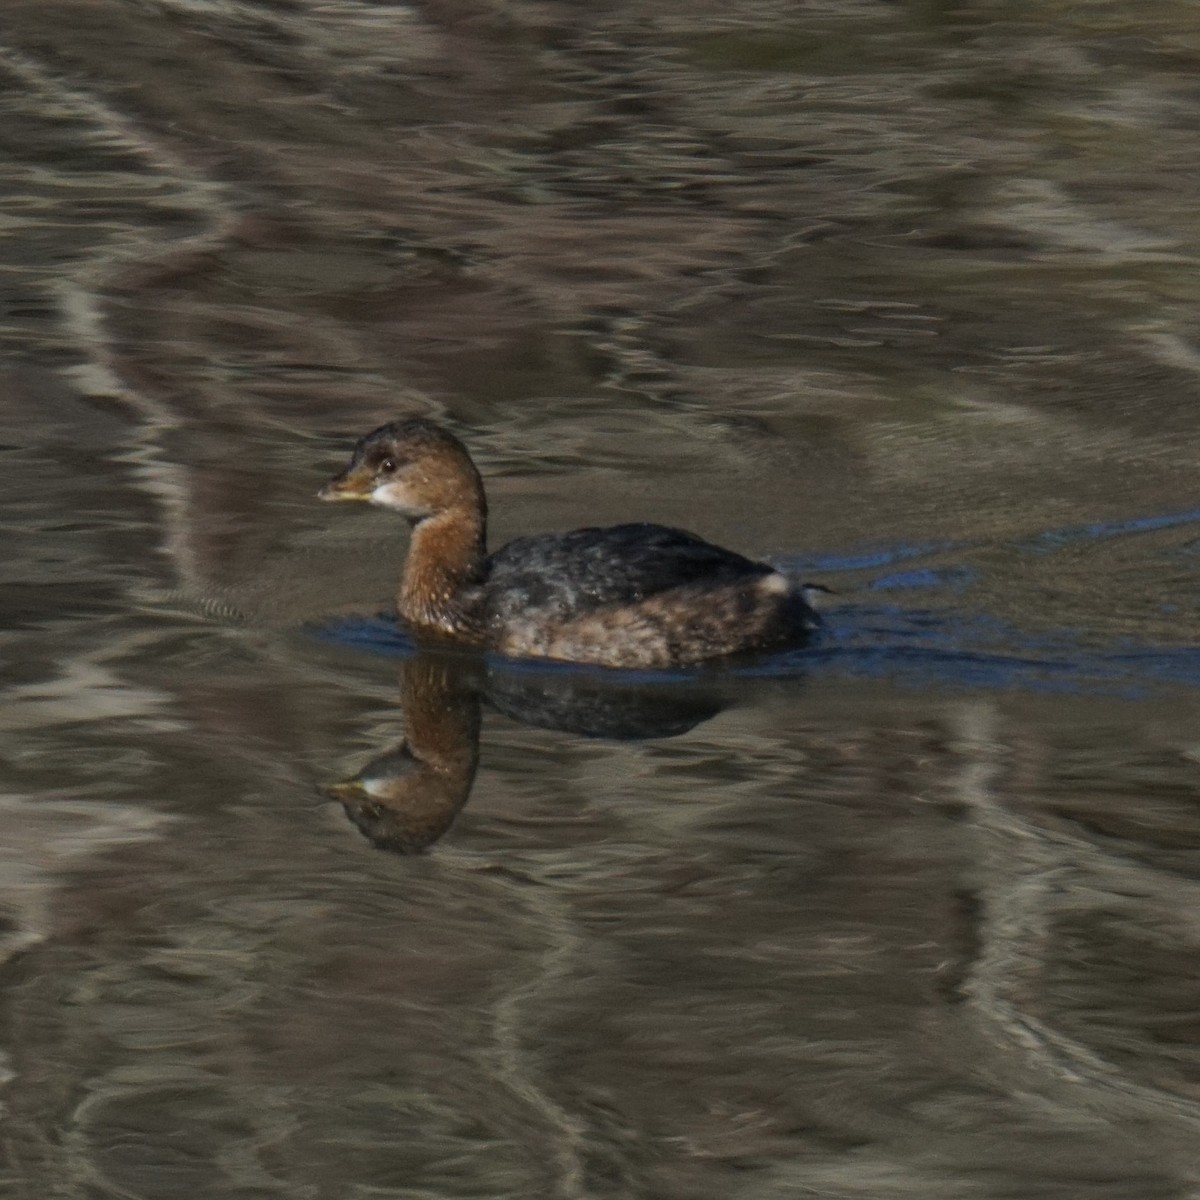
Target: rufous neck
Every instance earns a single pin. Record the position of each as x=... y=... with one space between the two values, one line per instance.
x=446 y=556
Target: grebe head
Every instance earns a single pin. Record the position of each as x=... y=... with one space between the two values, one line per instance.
x=413 y=467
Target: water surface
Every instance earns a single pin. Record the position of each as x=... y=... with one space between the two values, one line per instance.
x=900 y=295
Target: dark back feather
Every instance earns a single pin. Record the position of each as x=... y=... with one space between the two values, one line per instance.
x=561 y=576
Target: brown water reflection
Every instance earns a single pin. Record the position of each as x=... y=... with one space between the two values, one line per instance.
x=902 y=294
x=407 y=797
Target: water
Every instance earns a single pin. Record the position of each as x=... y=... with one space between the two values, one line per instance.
x=902 y=296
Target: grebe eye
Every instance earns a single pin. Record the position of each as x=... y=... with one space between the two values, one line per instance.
x=387 y=467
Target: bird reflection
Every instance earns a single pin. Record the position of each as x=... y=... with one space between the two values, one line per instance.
x=406 y=798
x=593 y=704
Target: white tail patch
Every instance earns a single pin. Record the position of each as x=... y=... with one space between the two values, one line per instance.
x=774 y=584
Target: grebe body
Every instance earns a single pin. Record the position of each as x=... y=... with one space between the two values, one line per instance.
x=637 y=595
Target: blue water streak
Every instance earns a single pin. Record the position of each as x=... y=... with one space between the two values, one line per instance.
x=1052 y=539
x=921 y=647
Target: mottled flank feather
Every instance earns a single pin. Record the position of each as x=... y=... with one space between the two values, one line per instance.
x=675 y=627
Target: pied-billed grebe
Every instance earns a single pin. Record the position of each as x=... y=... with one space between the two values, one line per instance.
x=627 y=596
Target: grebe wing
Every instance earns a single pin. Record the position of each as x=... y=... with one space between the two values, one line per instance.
x=566 y=575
